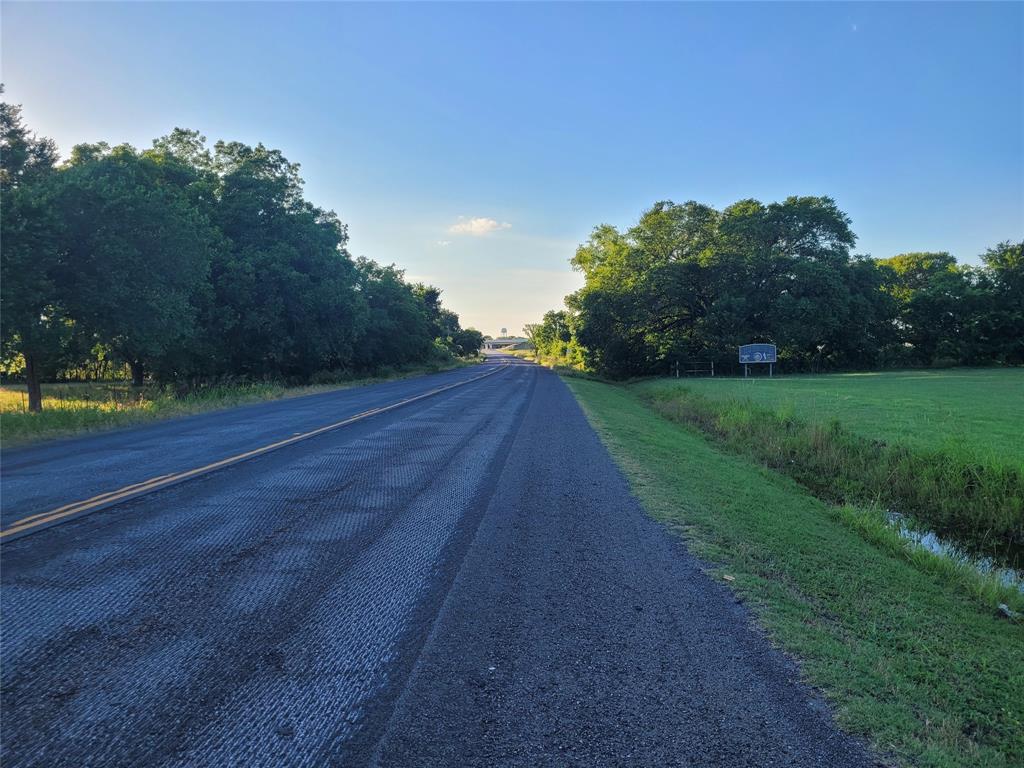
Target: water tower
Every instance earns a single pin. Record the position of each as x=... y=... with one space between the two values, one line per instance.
x=504 y=332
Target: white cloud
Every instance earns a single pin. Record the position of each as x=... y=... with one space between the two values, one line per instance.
x=478 y=226
x=444 y=243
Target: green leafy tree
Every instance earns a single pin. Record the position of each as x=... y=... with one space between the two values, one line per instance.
x=997 y=326
x=553 y=338
x=399 y=327
x=135 y=253
x=444 y=323
x=690 y=282
x=934 y=295
x=34 y=324
x=286 y=295
x=24 y=157
x=467 y=342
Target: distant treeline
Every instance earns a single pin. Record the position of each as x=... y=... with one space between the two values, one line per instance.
x=186 y=263
x=690 y=283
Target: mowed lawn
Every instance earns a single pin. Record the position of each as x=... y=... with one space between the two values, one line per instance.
x=980 y=411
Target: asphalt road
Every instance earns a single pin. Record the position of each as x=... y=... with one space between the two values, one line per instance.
x=464 y=580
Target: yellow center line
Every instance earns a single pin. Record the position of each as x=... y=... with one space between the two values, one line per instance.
x=161 y=481
x=100 y=497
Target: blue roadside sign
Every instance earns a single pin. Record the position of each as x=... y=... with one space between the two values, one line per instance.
x=757 y=353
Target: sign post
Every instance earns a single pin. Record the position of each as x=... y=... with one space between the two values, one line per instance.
x=758 y=353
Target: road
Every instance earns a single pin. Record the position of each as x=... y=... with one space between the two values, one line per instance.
x=463 y=580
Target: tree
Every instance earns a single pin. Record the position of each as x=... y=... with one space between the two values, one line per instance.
x=26 y=158
x=286 y=290
x=997 y=327
x=135 y=253
x=934 y=296
x=399 y=328
x=34 y=321
x=553 y=337
x=444 y=324
x=788 y=264
x=467 y=342
x=690 y=282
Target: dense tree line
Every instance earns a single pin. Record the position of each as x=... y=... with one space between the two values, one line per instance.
x=188 y=263
x=691 y=283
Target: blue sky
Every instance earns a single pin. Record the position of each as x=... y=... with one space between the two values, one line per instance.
x=477 y=144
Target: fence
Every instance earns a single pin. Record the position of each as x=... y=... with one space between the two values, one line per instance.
x=693 y=368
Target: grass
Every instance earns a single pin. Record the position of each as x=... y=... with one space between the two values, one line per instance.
x=72 y=408
x=562 y=365
x=971 y=411
x=908 y=657
x=852 y=440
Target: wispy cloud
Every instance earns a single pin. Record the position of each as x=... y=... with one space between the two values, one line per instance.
x=444 y=243
x=478 y=226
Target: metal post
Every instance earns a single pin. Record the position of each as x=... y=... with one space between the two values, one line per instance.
x=712 y=369
x=770 y=366
x=745 y=370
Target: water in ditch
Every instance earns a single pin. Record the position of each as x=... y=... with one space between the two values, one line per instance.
x=929 y=540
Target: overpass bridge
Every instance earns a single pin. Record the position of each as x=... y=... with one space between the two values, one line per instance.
x=504 y=342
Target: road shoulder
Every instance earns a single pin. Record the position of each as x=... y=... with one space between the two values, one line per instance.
x=908 y=658
x=577 y=632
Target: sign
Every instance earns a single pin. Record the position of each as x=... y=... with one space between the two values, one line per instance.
x=757 y=353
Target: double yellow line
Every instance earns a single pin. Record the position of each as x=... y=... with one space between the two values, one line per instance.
x=33 y=522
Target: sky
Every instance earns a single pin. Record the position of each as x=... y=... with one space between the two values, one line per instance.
x=477 y=144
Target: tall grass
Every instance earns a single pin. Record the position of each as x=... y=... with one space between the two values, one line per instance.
x=979 y=502
x=70 y=408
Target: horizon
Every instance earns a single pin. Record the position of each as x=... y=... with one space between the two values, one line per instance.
x=475 y=146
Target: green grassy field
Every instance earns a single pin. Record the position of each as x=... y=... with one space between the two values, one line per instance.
x=944 y=448
x=910 y=659
x=980 y=411
x=71 y=408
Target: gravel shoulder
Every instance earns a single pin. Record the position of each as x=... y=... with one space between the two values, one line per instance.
x=579 y=632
